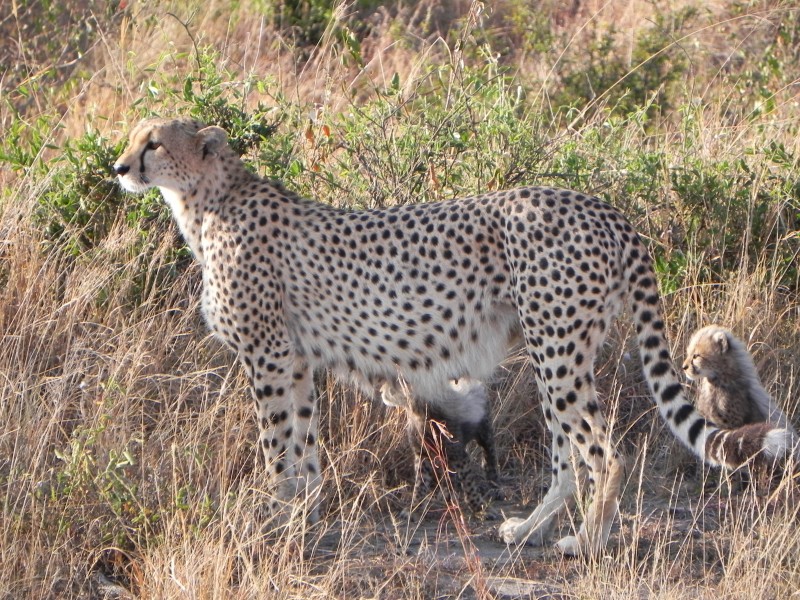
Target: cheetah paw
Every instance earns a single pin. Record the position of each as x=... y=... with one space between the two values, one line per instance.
x=569 y=546
x=514 y=531
x=511 y=531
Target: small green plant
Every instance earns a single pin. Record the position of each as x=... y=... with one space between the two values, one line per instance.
x=308 y=20
x=79 y=200
x=731 y=207
x=85 y=475
x=534 y=24
x=262 y=133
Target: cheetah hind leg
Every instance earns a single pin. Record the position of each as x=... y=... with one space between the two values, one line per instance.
x=445 y=461
x=424 y=476
x=596 y=526
x=603 y=469
x=537 y=528
x=485 y=438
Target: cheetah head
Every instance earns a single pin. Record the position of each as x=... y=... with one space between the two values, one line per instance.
x=172 y=154
x=706 y=354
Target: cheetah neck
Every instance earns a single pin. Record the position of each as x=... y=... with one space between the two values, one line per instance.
x=193 y=205
x=188 y=216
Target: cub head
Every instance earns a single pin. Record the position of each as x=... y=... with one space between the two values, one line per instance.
x=172 y=154
x=708 y=352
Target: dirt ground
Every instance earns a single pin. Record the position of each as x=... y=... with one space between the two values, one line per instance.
x=666 y=523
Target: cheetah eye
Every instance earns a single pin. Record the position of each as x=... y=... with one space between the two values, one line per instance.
x=151 y=145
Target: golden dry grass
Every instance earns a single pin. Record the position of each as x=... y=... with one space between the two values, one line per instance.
x=127 y=464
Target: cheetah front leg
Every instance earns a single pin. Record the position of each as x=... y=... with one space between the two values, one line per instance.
x=305 y=430
x=278 y=378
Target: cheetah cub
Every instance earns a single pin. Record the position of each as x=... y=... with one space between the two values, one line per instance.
x=730 y=392
x=464 y=415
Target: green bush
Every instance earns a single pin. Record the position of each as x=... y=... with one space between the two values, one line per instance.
x=430 y=139
x=651 y=78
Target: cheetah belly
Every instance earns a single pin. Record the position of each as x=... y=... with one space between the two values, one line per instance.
x=427 y=360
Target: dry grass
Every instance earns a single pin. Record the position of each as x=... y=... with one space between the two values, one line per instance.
x=127 y=463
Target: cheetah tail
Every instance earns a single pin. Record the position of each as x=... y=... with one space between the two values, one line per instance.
x=719 y=447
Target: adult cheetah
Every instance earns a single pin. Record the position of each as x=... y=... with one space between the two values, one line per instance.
x=426 y=293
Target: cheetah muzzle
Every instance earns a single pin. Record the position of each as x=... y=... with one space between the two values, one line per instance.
x=425 y=293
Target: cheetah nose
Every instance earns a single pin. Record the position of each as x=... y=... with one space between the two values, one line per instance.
x=120 y=169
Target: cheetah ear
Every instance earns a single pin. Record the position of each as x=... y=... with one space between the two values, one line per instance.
x=211 y=140
x=721 y=340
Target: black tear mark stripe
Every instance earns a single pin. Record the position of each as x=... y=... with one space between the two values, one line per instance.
x=150 y=145
x=141 y=157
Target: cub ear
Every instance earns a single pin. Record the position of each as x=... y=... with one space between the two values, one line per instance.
x=211 y=140
x=721 y=340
